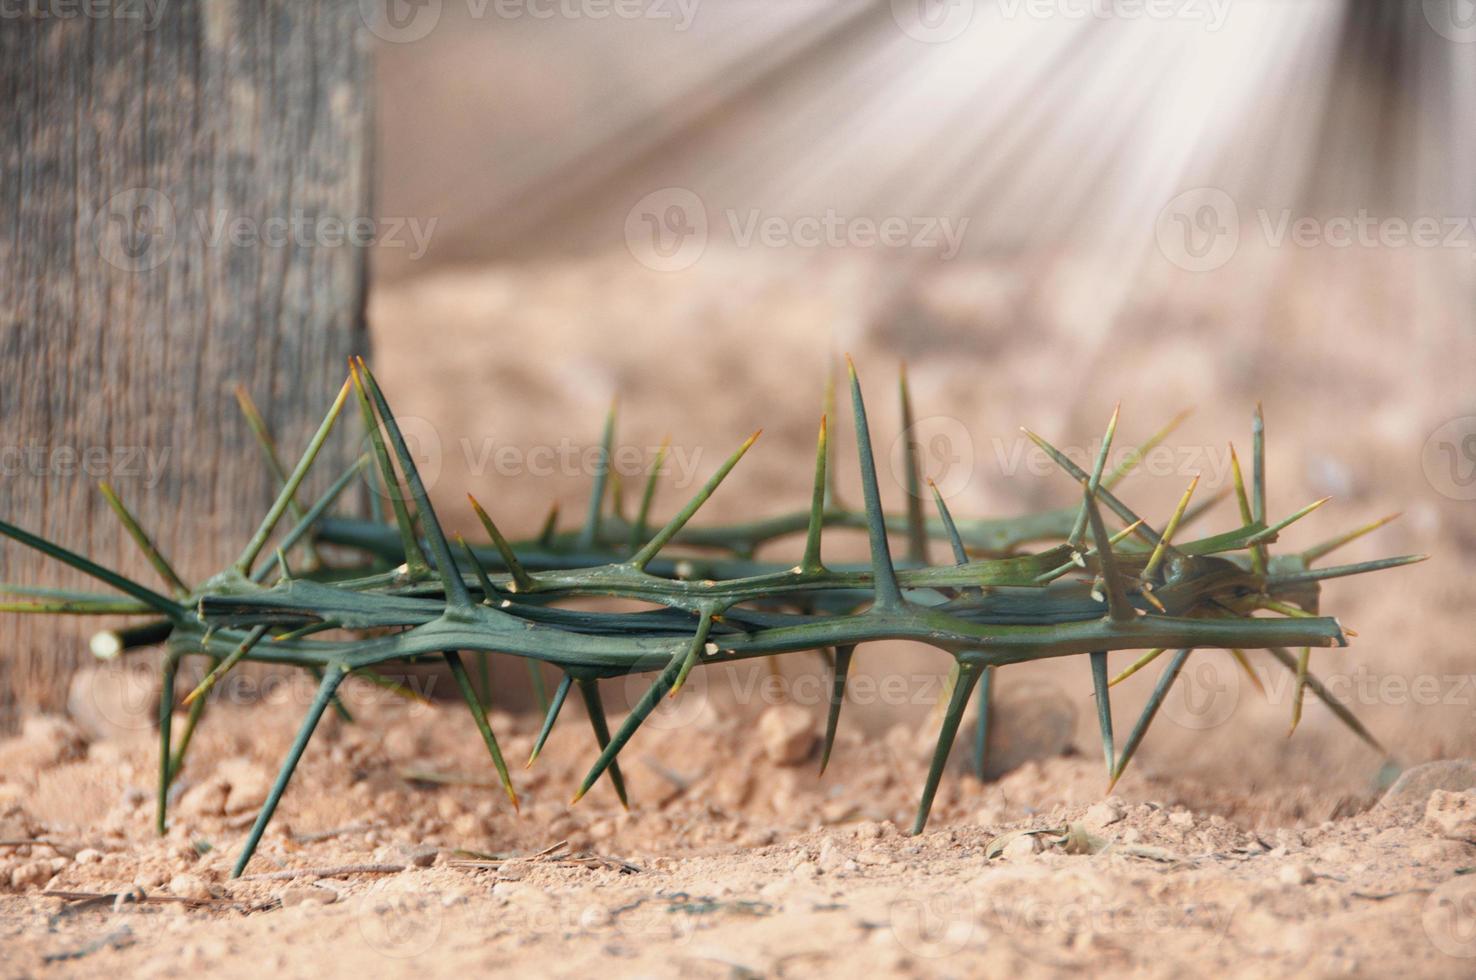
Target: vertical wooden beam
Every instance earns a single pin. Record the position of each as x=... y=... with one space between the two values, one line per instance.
x=170 y=183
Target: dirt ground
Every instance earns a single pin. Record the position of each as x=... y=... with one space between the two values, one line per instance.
x=1228 y=848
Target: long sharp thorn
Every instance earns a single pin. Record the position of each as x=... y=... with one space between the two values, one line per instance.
x=479 y=715
x=550 y=716
x=694 y=650
x=981 y=725
x=326 y=690
x=192 y=721
x=1241 y=498
x=1342 y=571
x=535 y=679
x=968 y=675
x=1058 y=571
x=485 y=583
x=811 y=563
x=311 y=516
x=145 y=544
x=838 y=674
x=1136 y=456
x=268 y=445
x=589 y=689
x=1326 y=697
x=1136 y=666
x=617 y=495
x=393 y=686
x=521 y=580
x=1078 y=529
x=550 y=526
x=1168 y=531
x=337 y=703
x=917 y=530
x=1332 y=544
x=1144 y=530
x=1155 y=701
x=1260 y=558
x=1249 y=671
x=832 y=493
x=637 y=716
x=289 y=488
x=639 y=528
x=415 y=563
x=1104 y=705
x=225 y=665
x=1300 y=691
x=643 y=557
x=589 y=535
x=1118 y=606
x=884 y=575
x=123 y=584
x=307 y=630
x=1270 y=533
x=955 y=540
x=166 y=722
x=457 y=595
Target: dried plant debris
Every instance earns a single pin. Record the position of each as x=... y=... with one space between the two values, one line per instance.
x=1052 y=584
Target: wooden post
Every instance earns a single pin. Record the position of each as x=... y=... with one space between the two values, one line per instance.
x=172 y=176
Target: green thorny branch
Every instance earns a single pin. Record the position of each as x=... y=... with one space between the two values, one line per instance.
x=413 y=597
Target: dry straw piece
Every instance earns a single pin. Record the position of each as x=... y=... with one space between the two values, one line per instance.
x=412 y=597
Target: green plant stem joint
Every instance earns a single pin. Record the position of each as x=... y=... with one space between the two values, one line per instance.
x=410 y=597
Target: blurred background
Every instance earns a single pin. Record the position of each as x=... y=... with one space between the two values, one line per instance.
x=1042 y=208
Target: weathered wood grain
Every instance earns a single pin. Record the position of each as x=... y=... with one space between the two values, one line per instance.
x=125 y=319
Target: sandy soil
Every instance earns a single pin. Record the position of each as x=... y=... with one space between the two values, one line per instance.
x=1228 y=848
